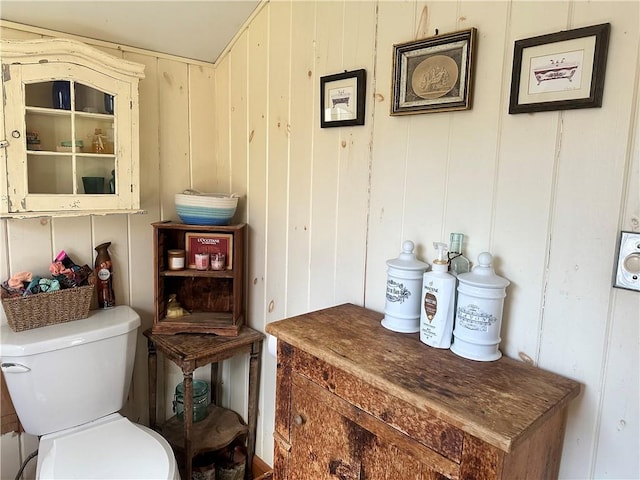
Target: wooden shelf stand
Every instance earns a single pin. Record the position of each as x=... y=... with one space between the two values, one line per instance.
x=214 y=299
x=221 y=426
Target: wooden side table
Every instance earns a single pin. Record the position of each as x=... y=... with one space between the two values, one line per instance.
x=190 y=351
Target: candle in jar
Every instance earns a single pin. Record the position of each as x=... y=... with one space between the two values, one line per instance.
x=218 y=261
x=202 y=261
x=176 y=259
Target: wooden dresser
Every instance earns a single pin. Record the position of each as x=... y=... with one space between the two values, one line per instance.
x=357 y=401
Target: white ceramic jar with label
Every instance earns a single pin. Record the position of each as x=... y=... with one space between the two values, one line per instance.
x=481 y=294
x=404 y=286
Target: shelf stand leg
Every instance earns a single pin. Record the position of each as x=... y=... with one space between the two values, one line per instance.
x=152 y=361
x=187 y=401
x=252 y=420
x=214 y=383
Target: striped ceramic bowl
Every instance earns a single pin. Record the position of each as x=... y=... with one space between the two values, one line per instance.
x=196 y=208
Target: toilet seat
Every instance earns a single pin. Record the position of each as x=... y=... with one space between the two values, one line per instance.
x=109 y=448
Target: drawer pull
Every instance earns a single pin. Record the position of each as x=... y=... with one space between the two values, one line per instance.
x=344 y=471
x=298 y=420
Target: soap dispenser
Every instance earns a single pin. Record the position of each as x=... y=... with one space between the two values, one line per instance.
x=438 y=295
x=404 y=280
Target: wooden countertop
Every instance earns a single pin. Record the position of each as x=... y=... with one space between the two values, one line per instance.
x=498 y=402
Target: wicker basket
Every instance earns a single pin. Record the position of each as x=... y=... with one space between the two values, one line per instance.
x=43 y=309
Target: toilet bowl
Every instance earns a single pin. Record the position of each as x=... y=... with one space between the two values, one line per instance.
x=67 y=383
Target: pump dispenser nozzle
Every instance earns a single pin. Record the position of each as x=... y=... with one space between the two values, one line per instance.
x=442 y=249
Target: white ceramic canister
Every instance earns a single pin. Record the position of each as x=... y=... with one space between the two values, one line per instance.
x=404 y=287
x=481 y=293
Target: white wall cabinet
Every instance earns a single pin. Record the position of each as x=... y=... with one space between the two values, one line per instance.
x=71 y=130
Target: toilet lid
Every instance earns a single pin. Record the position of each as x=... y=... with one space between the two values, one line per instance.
x=109 y=448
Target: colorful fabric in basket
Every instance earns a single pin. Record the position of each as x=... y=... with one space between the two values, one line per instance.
x=41 y=285
x=17 y=280
x=65 y=273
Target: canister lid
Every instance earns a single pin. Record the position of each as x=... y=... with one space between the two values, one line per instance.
x=483 y=275
x=407 y=259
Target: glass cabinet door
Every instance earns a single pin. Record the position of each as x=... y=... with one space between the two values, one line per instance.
x=69 y=138
x=69 y=123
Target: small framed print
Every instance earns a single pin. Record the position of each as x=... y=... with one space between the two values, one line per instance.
x=434 y=74
x=208 y=243
x=342 y=99
x=559 y=71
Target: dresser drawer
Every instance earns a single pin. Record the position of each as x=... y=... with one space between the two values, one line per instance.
x=333 y=439
x=420 y=424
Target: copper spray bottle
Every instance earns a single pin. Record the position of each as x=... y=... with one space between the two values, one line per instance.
x=104 y=274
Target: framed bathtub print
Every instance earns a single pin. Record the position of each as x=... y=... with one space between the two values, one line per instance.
x=560 y=71
x=197 y=242
x=342 y=99
x=434 y=74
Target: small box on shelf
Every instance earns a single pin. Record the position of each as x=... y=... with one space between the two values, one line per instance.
x=209 y=243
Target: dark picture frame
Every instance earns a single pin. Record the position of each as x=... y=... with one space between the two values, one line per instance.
x=560 y=71
x=342 y=99
x=434 y=74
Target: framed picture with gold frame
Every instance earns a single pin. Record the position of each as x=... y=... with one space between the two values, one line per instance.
x=434 y=74
x=199 y=242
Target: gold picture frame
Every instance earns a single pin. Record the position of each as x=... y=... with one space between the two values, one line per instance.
x=434 y=74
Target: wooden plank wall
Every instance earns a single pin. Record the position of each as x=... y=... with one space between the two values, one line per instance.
x=339 y=202
x=546 y=193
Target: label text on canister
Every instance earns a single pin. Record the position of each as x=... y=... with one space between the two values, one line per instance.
x=472 y=317
x=397 y=292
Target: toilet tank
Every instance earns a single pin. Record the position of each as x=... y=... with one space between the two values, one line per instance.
x=68 y=374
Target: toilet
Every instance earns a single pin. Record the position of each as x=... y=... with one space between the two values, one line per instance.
x=67 y=383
